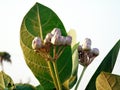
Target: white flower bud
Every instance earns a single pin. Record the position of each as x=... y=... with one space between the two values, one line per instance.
x=56 y=31
x=79 y=48
x=55 y=40
x=48 y=38
x=95 y=51
x=36 y=43
x=62 y=40
x=68 y=40
x=86 y=45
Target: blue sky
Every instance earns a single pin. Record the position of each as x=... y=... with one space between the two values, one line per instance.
x=95 y=19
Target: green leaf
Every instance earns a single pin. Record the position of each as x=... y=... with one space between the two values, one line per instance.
x=107 y=81
x=26 y=86
x=106 y=65
x=5 y=81
x=75 y=64
x=73 y=78
x=39 y=21
x=39 y=87
x=72 y=33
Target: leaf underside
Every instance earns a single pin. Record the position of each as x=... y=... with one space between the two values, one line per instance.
x=107 y=81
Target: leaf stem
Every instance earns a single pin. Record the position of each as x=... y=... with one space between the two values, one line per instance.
x=80 y=77
x=52 y=74
x=55 y=68
x=57 y=75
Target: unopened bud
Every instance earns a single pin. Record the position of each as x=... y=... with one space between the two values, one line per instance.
x=86 y=45
x=55 y=40
x=68 y=40
x=95 y=51
x=62 y=40
x=48 y=38
x=36 y=43
x=79 y=48
x=56 y=31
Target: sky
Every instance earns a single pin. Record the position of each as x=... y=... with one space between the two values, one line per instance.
x=98 y=20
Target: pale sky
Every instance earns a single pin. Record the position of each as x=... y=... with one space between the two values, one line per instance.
x=95 y=19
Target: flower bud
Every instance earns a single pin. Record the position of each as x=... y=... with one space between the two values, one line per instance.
x=68 y=40
x=79 y=48
x=36 y=43
x=86 y=45
x=56 y=31
x=62 y=40
x=55 y=40
x=95 y=51
x=48 y=38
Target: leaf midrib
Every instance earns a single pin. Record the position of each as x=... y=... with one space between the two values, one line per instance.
x=39 y=22
x=107 y=81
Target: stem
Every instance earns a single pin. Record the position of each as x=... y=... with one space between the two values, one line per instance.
x=52 y=74
x=57 y=76
x=59 y=54
x=80 y=77
x=55 y=69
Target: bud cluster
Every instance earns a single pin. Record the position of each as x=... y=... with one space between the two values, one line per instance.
x=53 y=38
x=56 y=38
x=87 y=54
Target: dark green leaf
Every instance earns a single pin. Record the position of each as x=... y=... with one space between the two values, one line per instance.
x=20 y=86
x=39 y=87
x=106 y=65
x=107 y=81
x=39 y=21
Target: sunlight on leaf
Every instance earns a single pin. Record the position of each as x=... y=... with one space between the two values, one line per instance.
x=5 y=81
x=107 y=81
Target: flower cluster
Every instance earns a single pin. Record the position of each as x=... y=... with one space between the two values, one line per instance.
x=87 y=54
x=56 y=38
x=53 y=38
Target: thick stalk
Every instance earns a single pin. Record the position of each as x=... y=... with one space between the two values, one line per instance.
x=57 y=76
x=80 y=77
x=55 y=58
x=53 y=74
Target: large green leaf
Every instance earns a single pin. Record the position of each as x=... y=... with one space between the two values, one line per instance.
x=106 y=65
x=107 y=81
x=39 y=21
x=5 y=81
